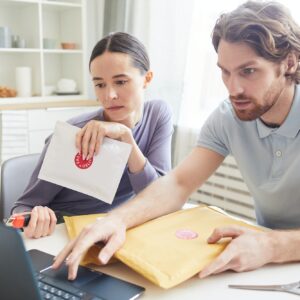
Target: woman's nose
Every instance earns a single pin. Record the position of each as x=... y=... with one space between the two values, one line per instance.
x=111 y=94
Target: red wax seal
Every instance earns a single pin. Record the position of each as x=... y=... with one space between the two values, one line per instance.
x=186 y=234
x=82 y=163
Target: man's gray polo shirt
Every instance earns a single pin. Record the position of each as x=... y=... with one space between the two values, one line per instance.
x=268 y=158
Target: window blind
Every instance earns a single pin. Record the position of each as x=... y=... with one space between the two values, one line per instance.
x=227 y=190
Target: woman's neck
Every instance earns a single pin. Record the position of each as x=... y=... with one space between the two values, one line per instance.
x=131 y=119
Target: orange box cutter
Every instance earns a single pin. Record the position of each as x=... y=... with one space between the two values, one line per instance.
x=18 y=221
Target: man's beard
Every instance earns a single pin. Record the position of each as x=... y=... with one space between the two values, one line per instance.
x=270 y=99
x=254 y=113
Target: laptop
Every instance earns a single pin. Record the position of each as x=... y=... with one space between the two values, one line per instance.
x=26 y=275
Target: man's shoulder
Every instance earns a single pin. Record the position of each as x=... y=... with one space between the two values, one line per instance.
x=223 y=111
x=224 y=119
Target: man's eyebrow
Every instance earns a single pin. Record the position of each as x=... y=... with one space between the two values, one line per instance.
x=243 y=65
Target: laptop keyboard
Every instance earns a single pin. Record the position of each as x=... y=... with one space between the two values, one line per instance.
x=54 y=289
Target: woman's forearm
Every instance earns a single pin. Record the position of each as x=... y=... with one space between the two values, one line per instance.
x=137 y=160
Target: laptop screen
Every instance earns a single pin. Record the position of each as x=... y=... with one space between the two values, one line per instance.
x=21 y=269
x=17 y=275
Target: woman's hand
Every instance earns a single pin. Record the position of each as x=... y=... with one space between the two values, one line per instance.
x=248 y=250
x=109 y=230
x=90 y=137
x=42 y=222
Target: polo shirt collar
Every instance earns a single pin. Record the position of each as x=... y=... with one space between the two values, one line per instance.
x=290 y=126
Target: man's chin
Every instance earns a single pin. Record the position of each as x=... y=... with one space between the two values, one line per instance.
x=244 y=116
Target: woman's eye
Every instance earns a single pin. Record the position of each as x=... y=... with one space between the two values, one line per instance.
x=100 y=85
x=121 y=82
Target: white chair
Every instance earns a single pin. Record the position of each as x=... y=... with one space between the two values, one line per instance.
x=15 y=175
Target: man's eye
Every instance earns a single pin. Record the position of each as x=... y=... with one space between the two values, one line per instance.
x=248 y=71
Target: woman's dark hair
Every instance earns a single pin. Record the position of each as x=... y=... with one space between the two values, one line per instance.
x=267 y=27
x=123 y=43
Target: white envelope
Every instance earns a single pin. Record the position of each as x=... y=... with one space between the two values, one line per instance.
x=98 y=178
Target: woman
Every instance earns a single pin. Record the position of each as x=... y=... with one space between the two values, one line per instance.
x=120 y=71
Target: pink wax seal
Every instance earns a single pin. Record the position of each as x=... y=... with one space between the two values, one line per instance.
x=82 y=163
x=186 y=234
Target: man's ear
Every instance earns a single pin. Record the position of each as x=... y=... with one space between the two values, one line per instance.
x=148 y=78
x=291 y=63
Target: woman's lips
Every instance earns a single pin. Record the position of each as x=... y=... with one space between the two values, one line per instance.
x=114 y=108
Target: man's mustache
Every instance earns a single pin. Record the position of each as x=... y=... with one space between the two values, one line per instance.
x=239 y=98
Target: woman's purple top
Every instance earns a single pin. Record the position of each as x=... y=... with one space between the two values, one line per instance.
x=153 y=134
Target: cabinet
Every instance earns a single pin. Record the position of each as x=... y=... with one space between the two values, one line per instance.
x=37 y=30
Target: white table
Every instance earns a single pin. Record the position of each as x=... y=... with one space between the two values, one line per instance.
x=194 y=288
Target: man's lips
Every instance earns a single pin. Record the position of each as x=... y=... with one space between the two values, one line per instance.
x=241 y=104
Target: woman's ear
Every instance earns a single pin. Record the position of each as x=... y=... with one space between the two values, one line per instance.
x=148 y=78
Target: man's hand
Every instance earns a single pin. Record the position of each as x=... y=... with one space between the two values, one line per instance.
x=248 y=250
x=109 y=230
x=42 y=222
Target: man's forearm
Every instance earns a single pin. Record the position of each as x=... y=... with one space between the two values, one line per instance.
x=168 y=193
x=163 y=196
x=286 y=244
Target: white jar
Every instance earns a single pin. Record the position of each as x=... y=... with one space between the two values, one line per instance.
x=23 y=81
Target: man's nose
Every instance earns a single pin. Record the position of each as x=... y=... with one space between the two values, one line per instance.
x=234 y=86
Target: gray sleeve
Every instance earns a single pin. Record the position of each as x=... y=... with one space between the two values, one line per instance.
x=158 y=154
x=212 y=135
x=37 y=192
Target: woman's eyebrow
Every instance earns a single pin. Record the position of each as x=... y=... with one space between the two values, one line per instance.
x=120 y=75
x=97 y=78
x=115 y=76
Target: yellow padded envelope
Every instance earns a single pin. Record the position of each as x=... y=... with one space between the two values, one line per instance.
x=167 y=250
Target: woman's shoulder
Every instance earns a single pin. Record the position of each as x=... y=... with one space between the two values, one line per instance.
x=82 y=119
x=157 y=107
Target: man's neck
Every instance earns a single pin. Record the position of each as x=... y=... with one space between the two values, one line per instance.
x=278 y=113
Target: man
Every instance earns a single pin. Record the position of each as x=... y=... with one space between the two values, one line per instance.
x=258 y=47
